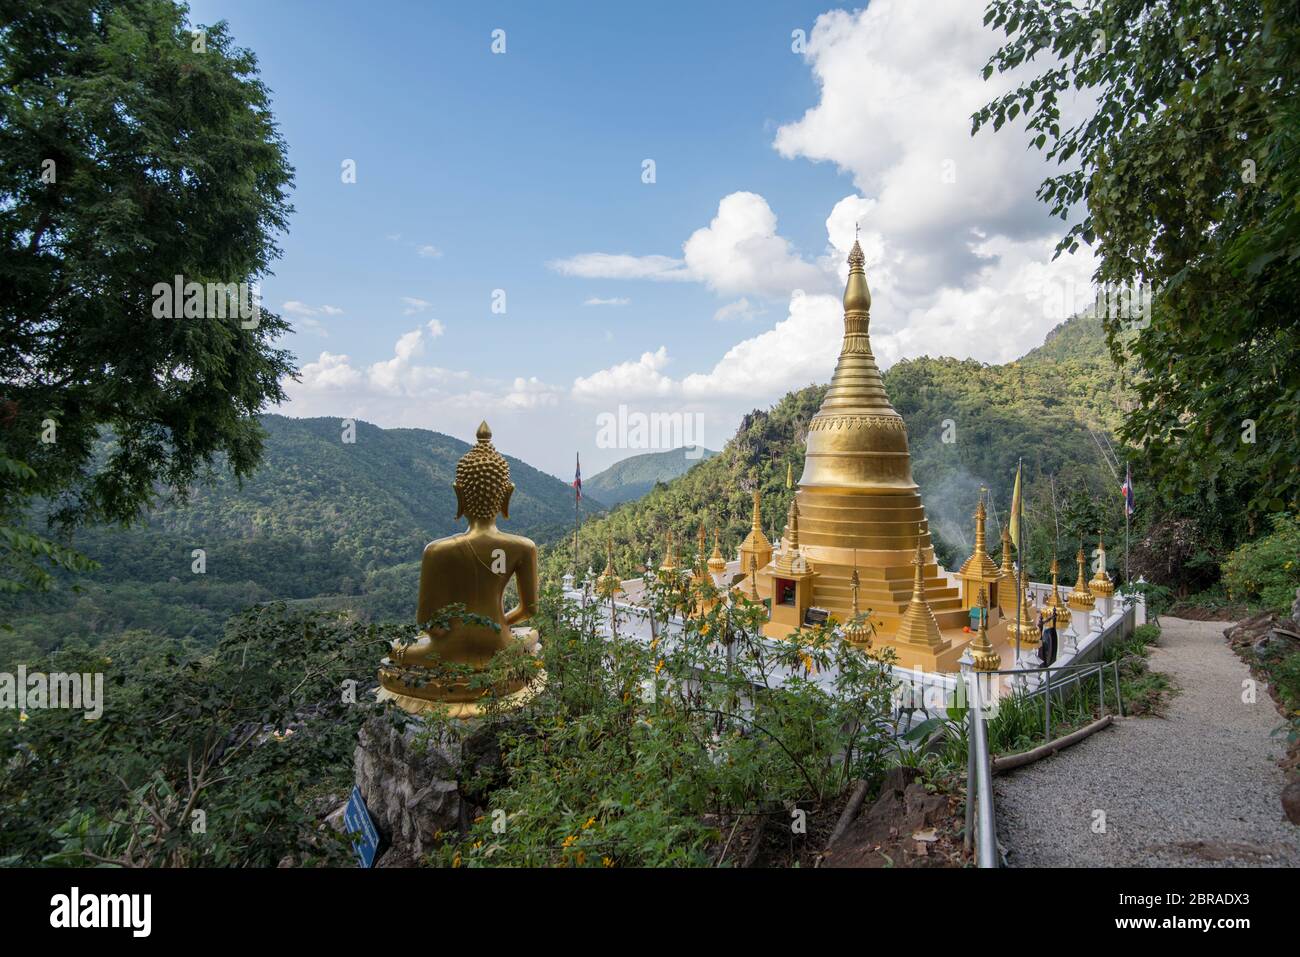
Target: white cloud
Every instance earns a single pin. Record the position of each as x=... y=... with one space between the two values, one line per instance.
x=620 y=266
x=428 y=252
x=414 y=305
x=738 y=252
x=615 y=301
x=740 y=309
x=301 y=310
x=637 y=379
x=435 y=327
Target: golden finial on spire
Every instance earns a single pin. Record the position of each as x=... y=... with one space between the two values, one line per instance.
x=1054 y=600
x=857 y=297
x=979 y=567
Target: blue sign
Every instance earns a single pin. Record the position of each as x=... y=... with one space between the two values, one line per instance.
x=365 y=839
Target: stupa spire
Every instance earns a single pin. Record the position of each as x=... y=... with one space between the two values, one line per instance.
x=717 y=564
x=1081 y=599
x=983 y=657
x=918 y=625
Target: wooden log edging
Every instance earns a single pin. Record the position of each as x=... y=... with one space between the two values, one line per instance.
x=850 y=811
x=1012 y=761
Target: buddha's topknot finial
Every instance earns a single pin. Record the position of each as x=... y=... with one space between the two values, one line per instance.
x=483 y=479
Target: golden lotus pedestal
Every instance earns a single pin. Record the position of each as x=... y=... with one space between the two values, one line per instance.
x=461 y=703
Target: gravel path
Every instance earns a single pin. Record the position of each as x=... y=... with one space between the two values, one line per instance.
x=1199 y=787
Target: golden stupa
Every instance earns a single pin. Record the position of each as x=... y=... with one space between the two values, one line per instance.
x=1006 y=576
x=918 y=626
x=978 y=574
x=983 y=655
x=856 y=495
x=717 y=564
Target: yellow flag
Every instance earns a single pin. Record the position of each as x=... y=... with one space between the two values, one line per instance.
x=1015 y=511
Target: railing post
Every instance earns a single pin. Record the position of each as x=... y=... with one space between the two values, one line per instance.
x=1047 y=701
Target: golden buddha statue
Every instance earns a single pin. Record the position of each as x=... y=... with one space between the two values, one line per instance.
x=472 y=569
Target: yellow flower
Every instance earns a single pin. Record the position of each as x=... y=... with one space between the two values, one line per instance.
x=704 y=629
x=22 y=715
x=570 y=840
x=608 y=862
x=653 y=643
x=455 y=861
x=808 y=663
x=581 y=858
x=659 y=666
x=590 y=822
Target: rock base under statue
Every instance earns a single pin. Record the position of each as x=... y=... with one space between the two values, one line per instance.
x=412 y=776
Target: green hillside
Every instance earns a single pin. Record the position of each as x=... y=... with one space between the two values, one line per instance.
x=1041 y=407
x=321 y=522
x=635 y=475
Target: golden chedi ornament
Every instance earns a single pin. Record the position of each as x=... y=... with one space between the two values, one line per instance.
x=755 y=550
x=983 y=657
x=1054 y=600
x=1025 y=624
x=857 y=494
x=753 y=579
x=858 y=630
x=717 y=564
x=669 y=569
x=1081 y=599
x=978 y=573
x=1101 y=586
x=608 y=584
x=918 y=625
x=472 y=569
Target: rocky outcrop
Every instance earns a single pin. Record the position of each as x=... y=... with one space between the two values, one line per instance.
x=421 y=781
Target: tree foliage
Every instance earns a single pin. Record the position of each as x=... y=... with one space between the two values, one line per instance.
x=131 y=152
x=1186 y=178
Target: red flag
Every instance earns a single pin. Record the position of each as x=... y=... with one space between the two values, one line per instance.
x=577 y=477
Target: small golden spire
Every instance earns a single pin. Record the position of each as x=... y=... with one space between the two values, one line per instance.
x=789 y=475
x=1081 y=599
x=982 y=654
x=1054 y=600
x=1024 y=625
x=1101 y=586
x=918 y=625
x=608 y=585
x=699 y=547
x=717 y=564
x=794 y=524
x=753 y=579
x=979 y=566
x=669 y=567
x=858 y=631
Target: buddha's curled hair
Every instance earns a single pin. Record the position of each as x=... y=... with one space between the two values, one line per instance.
x=483 y=479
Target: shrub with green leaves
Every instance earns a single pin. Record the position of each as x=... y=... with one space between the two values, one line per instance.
x=1267 y=570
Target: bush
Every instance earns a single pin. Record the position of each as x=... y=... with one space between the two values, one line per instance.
x=1267 y=570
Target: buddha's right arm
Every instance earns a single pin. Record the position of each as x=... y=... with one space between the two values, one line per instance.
x=526 y=581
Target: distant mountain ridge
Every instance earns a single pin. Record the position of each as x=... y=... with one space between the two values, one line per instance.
x=632 y=477
x=319 y=517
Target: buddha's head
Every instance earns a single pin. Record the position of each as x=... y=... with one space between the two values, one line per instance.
x=483 y=486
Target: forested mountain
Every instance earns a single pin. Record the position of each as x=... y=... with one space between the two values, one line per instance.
x=968 y=424
x=322 y=520
x=637 y=474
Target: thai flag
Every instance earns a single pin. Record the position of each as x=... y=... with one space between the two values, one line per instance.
x=577 y=477
x=1127 y=490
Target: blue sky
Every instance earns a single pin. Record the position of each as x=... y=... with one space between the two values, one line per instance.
x=478 y=172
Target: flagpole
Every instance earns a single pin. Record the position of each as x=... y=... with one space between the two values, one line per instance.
x=1128 y=492
x=1020 y=552
x=577 y=516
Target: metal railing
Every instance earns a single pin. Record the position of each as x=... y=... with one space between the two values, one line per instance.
x=981 y=821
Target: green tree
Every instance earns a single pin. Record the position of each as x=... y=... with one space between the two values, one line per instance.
x=1185 y=178
x=132 y=150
